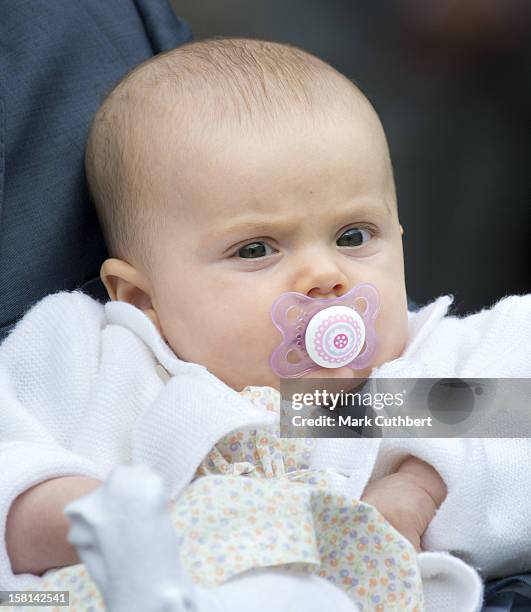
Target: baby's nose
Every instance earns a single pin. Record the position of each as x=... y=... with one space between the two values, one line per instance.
x=318 y=273
x=322 y=281
x=327 y=292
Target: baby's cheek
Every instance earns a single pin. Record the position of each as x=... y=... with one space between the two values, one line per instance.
x=190 y=339
x=242 y=339
x=249 y=344
x=392 y=330
x=232 y=338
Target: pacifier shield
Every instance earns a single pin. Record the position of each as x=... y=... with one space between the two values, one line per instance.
x=335 y=336
x=325 y=332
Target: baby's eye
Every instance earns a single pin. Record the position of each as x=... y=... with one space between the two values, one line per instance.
x=253 y=250
x=354 y=237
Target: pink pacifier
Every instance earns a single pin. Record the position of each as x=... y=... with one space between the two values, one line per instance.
x=324 y=332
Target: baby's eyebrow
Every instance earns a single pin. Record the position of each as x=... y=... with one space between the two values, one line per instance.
x=258 y=225
x=288 y=223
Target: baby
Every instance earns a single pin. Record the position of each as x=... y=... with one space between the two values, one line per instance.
x=226 y=173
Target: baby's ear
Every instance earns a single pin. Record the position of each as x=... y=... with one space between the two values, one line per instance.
x=125 y=283
x=401 y=230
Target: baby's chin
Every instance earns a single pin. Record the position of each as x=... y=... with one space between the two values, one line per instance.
x=336 y=379
x=357 y=377
x=342 y=373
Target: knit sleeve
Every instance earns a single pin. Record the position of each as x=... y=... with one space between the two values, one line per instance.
x=485 y=517
x=25 y=464
x=47 y=369
x=500 y=344
x=493 y=343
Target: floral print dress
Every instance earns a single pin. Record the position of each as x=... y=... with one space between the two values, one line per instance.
x=255 y=503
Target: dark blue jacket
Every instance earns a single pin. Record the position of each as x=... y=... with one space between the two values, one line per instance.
x=58 y=60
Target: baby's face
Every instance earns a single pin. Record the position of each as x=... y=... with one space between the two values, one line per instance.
x=308 y=207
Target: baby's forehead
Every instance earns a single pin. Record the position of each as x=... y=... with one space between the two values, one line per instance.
x=257 y=184
x=187 y=138
x=227 y=170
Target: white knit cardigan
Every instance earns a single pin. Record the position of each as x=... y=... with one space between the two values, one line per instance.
x=81 y=391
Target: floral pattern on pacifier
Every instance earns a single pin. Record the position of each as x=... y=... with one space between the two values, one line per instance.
x=324 y=332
